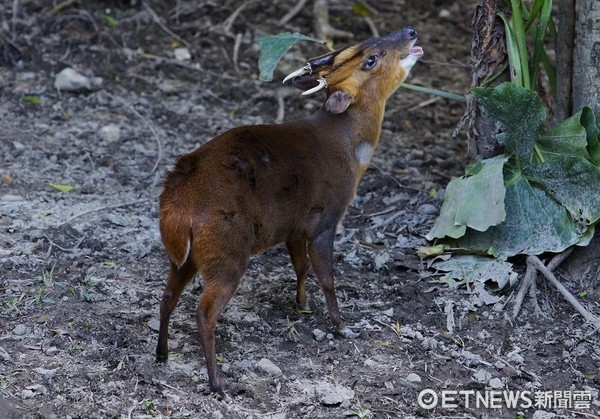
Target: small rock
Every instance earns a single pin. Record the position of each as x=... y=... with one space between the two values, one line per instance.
x=20 y=330
x=154 y=325
x=182 y=54
x=268 y=366
x=516 y=358
x=330 y=394
x=110 y=133
x=45 y=373
x=389 y=312
x=319 y=335
x=427 y=209
x=496 y=383
x=481 y=376
x=4 y=356
x=216 y=415
x=542 y=414
x=246 y=364
x=370 y=363
x=413 y=378
x=330 y=336
x=381 y=259
x=444 y=14
x=69 y=80
x=53 y=350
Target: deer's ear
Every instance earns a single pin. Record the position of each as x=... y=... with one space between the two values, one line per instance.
x=338 y=102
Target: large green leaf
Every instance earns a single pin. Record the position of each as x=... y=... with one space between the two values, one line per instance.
x=575 y=183
x=475 y=200
x=567 y=138
x=535 y=223
x=521 y=114
x=272 y=49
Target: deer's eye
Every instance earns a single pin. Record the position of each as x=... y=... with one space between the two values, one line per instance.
x=371 y=62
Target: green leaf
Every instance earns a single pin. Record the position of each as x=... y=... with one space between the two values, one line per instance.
x=33 y=99
x=463 y=204
x=535 y=223
x=110 y=21
x=521 y=114
x=272 y=49
x=575 y=183
x=478 y=269
x=568 y=138
x=62 y=188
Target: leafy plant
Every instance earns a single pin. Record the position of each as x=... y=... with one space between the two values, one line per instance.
x=524 y=70
x=542 y=194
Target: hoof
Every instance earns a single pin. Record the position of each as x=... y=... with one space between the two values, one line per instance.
x=347 y=333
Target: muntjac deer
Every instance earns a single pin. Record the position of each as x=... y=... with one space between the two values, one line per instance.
x=256 y=186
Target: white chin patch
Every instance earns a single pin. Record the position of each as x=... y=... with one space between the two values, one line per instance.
x=409 y=61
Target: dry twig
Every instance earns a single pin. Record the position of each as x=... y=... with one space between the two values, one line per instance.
x=107 y=207
x=293 y=12
x=595 y=321
x=528 y=283
x=159 y=22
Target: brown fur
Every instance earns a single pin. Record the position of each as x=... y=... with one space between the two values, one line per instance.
x=253 y=187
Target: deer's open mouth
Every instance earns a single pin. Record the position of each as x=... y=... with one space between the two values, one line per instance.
x=418 y=51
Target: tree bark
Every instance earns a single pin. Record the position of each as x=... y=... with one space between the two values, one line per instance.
x=586 y=69
x=585 y=261
x=565 y=51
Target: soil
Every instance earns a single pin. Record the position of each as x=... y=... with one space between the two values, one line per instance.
x=82 y=271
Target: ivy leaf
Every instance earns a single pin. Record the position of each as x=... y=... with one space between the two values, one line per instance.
x=272 y=49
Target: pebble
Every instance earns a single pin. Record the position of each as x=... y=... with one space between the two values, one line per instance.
x=319 y=335
x=370 y=363
x=413 y=378
x=53 y=350
x=20 y=330
x=268 y=366
x=154 y=324
x=182 y=54
x=428 y=209
x=45 y=373
x=542 y=414
x=110 y=133
x=4 y=356
x=69 y=80
x=496 y=383
x=330 y=394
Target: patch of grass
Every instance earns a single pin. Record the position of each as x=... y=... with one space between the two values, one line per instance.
x=359 y=411
x=12 y=305
x=148 y=406
x=290 y=331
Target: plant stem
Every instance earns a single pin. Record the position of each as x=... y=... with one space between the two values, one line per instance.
x=435 y=92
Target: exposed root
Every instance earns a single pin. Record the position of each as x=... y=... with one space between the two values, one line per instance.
x=534 y=260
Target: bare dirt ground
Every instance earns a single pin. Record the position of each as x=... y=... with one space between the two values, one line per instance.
x=82 y=271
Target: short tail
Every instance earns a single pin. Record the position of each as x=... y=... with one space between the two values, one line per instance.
x=176 y=232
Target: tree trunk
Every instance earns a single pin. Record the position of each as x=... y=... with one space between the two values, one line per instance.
x=488 y=54
x=585 y=261
x=586 y=70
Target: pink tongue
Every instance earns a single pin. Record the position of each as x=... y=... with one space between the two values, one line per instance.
x=416 y=51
